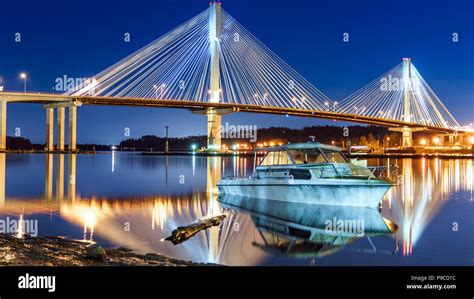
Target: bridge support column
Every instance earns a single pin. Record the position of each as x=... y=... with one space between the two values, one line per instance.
x=3 y=125
x=407 y=134
x=407 y=137
x=72 y=128
x=213 y=130
x=49 y=129
x=60 y=129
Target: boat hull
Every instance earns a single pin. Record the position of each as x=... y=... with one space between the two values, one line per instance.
x=331 y=192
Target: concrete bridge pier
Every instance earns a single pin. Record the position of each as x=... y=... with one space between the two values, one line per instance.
x=61 y=126
x=49 y=129
x=407 y=137
x=407 y=134
x=214 y=120
x=60 y=129
x=72 y=128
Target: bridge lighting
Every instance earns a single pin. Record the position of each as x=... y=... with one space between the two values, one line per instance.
x=436 y=140
x=423 y=142
x=23 y=76
x=471 y=139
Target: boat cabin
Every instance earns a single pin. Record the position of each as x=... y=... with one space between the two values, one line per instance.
x=302 y=153
x=306 y=161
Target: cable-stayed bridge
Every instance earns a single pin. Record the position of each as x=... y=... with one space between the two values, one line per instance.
x=213 y=66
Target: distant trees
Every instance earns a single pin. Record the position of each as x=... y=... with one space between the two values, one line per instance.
x=356 y=135
x=18 y=143
x=155 y=143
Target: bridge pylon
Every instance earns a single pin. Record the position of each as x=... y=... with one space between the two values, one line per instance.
x=214 y=119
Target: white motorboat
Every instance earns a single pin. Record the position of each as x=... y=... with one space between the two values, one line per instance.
x=309 y=173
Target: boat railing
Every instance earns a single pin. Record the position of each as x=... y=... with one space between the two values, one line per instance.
x=389 y=173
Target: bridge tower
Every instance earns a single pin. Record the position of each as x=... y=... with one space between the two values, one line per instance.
x=407 y=137
x=213 y=115
x=406 y=84
x=214 y=118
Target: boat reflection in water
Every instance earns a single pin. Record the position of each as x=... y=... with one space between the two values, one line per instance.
x=308 y=230
x=138 y=201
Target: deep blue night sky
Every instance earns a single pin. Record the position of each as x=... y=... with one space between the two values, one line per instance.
x=81 y=38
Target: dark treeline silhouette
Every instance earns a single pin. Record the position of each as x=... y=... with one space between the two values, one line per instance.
x=24 y=144
x=152 y=142
x=341 y=136
x=357 y=135
x=18 y=143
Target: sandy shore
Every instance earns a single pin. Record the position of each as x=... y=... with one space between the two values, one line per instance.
x=58 y=251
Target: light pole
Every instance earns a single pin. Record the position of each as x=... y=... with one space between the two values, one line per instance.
x=166 y=145
x=23 y=76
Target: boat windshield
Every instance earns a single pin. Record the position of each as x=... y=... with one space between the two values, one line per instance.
x=307 y=156
x=276 y=158
x=302 y=156
x=334 y=156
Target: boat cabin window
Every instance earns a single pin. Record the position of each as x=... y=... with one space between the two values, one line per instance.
x=275 y=158
x=307 y=156
x=334 y=156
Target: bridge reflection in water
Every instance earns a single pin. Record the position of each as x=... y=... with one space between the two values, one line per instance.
x=250 y=234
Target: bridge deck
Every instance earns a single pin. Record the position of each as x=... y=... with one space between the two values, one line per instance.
x=41 y=98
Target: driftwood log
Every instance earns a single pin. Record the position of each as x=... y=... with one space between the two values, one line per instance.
x=183 y=233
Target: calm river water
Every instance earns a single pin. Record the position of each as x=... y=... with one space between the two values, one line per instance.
x=132 y=200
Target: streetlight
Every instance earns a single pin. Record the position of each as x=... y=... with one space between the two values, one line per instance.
x=23 y=76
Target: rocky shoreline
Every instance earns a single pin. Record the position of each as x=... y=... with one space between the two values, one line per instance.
x=59 y=251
